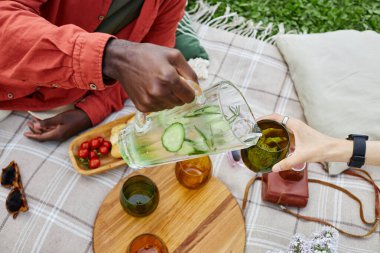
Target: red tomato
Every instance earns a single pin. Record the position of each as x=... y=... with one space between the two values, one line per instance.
x=94 y=163
x=101 y=139
x=107 y=144
x=103 y=150
x=83 y=153
x=93 y=154
x=95 y=143
x=85 y=145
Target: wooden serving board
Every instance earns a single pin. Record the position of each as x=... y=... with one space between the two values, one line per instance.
x=108 y=162
x=206 y=220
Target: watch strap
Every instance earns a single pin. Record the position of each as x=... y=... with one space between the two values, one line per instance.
x=358 y=155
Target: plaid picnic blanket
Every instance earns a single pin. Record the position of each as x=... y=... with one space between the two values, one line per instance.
x=63 y=204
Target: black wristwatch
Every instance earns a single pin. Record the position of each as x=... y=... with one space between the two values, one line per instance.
x=358 y=155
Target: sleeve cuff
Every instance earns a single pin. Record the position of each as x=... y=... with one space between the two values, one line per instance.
x=93 y=108
x=87 y=60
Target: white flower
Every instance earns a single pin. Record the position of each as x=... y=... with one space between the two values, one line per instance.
x=324 y=241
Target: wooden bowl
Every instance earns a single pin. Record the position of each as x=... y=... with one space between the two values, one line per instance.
x=107 y=162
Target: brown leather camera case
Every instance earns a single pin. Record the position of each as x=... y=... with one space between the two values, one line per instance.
x=287 y=188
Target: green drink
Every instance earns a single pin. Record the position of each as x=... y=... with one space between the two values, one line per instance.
x=222 y=121
x=272 y=147
x=139 y=196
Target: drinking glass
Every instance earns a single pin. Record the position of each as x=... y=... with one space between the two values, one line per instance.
x=147 y=243
x=272 y=147
x=139 y=196
x=194 y=173
x=217 y=121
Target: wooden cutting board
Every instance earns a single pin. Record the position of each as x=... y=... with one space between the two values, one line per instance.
x=207 y=220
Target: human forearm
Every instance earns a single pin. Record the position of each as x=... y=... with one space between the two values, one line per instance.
x=373 y=153
x=338 y=150
x=313 y=146
x=341 y=151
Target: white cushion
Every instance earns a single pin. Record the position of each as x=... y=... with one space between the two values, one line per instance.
x=337 y=78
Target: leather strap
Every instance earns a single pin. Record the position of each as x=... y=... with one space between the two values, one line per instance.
x=353 y=172
x=250 y=183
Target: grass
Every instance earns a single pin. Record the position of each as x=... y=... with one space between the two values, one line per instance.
x=312 y=16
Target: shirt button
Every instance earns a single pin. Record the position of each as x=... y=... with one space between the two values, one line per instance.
x=93 y=86
x=54 y=85
x=101 y=17
x=10 y=95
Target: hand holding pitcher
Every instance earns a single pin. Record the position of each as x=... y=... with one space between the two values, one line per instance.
x=222 y=121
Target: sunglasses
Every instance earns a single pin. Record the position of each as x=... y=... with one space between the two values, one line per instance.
x=16 y=200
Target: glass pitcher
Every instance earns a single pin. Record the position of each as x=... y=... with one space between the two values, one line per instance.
x=218 y=120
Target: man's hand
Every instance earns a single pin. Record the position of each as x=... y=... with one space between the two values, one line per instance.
x=60 y=127
x=150 y=74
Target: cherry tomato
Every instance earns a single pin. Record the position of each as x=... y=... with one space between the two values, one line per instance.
x=107 y=144
x=83 y=153
x=101 y=139
x=85 y=145
x=93 y=154
x=95 y=143
x=103 y=150
x=94 y=163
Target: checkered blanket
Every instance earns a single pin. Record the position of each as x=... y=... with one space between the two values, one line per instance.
x=63 y=204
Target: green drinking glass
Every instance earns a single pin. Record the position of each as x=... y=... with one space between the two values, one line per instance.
x=139 y=196
x=271 y=148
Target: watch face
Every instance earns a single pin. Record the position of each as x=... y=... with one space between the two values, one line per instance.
x=352 y=136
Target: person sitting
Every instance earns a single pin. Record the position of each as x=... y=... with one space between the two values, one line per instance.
x=93 y=55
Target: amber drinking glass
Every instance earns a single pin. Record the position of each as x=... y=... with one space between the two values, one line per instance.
x=272 y=147
x=194 y=173
x=147 y=243
x=139 y=196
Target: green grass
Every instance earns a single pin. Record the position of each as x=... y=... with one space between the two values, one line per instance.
x=312 y=16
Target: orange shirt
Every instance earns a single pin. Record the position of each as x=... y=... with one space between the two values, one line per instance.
x=50 y=56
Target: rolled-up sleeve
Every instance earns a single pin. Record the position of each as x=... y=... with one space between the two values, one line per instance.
x=41 y=54
x=100 y=104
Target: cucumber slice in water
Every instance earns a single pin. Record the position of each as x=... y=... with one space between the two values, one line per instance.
x=208 y=109
x=186 y=149
x=208 y=141
x=189 y=148
x=173 y=137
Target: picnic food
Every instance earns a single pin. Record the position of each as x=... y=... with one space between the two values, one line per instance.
x=115 y=152
x=91 y=151
x=103 y=150
x=94 y=163
x=95 y=143
x=16 y=200
x=85 y=145
x=93 y=154
x=83 y=153
x=114 y=138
